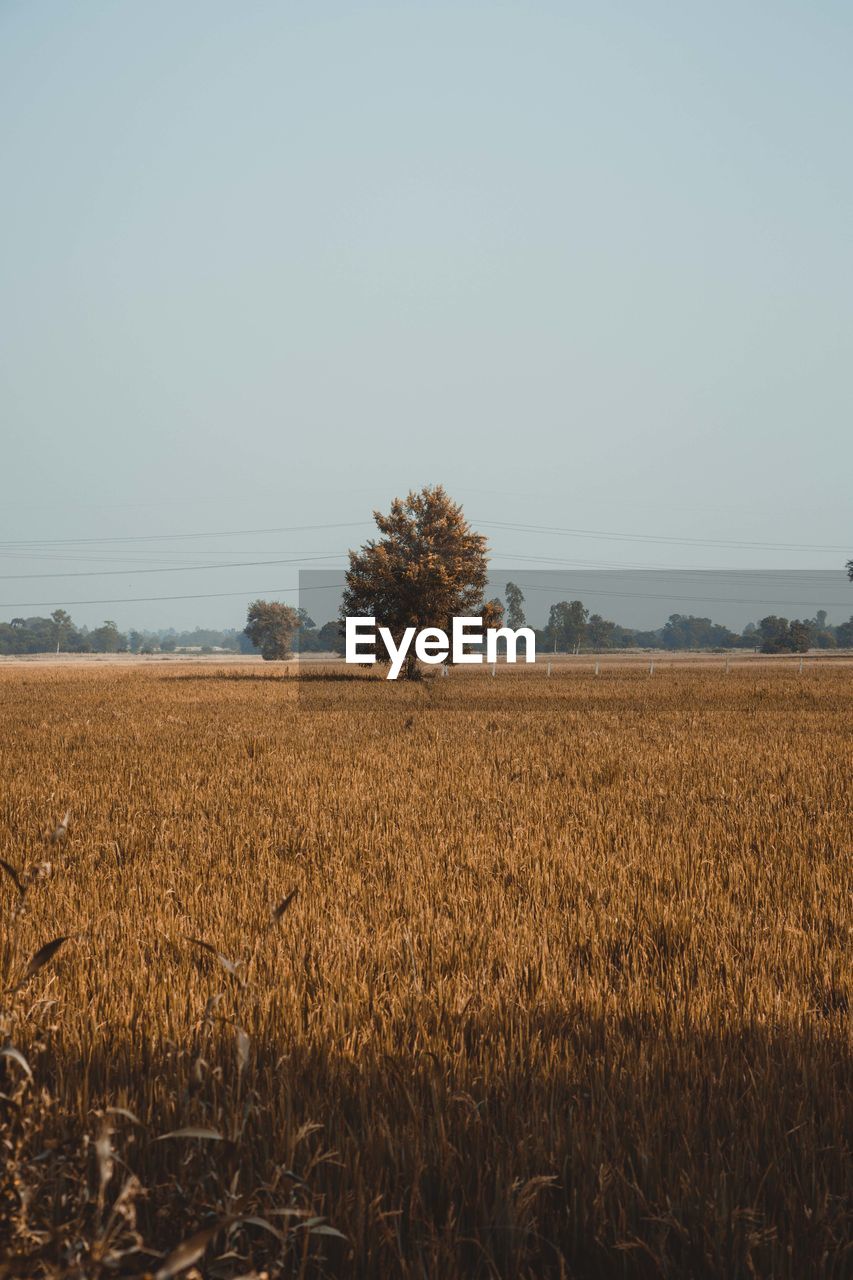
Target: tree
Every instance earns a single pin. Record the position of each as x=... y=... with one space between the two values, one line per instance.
x=848 y=567
x=306 y=636
x=775 y=635
x=514 y=606
x=800 y=636
x=329 y=638
x=108 y=638
x=567 y=625
x=271 y=627
x=822 y=634
x=600 y=631
x=62 y=621
x=427 y=568
x=684 y=631
x=844 y=634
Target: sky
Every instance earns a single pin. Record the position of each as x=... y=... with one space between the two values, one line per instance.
x=266 y=266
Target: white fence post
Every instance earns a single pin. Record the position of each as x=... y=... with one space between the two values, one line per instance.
x=549 y=670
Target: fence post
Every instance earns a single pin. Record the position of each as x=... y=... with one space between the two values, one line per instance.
x=549 y=670
x=596 y=668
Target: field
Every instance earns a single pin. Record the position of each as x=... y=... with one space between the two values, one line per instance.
x=563 y=989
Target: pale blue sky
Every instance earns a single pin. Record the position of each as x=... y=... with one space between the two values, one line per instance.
x=267 y=265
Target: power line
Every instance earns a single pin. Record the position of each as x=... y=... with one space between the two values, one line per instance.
x=204 y=595
x=794 y=578
x=180 y=537
x=648 y=537
x=514 y=560
x=339 y=586
x=605 y=534
x=751 y=600
x=631 y=567
x=790 y=575
x=173 y=568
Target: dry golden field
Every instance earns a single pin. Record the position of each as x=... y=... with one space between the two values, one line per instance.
x=563 y=991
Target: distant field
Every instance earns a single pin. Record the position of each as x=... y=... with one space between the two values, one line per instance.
x=559 y=662
x=564 y=990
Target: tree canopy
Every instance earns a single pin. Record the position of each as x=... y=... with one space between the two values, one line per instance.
x=271 y=627
x=428 y=567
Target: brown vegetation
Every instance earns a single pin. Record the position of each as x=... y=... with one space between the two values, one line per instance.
x=472 y=977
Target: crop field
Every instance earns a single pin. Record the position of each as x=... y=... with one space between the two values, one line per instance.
x=458 y=978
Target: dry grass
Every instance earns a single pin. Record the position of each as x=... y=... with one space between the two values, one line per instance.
x=563 y=991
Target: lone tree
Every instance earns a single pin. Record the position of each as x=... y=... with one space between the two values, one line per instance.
x=271 y=627
x=427 y=568
x=849 y=568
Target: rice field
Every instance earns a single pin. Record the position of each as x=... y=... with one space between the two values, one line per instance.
x=465 y=978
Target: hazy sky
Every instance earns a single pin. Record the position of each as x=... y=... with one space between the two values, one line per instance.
x=266 y=265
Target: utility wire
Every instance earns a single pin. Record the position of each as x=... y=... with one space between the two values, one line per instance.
x=648 y=537
x=180 y=537
x=172 y=568
x=339 y=586
x=640 y=538
x=486 y=524
x=204 y=595
x=584 y=566
x=750 y=600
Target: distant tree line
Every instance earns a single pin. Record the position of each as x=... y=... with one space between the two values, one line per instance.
x=571 y=628
x=59 y=634
x=280 y=631
x=277 y=631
